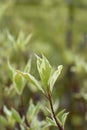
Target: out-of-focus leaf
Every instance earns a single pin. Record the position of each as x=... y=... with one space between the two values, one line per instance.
x=19 y=83
x=48 y=110
x=22 y=127
x=11 y=71
x=7 y=111
x=3 y=120
x=28 y=66
x=33 y=110
x=16 y=115
x=28 y=39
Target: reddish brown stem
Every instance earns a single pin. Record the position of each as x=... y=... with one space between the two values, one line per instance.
x=54 y=116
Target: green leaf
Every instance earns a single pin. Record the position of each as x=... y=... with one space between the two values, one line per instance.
x=10 y=37
x=16 y=116
x=31 y=79
x=84 y=95
x=7 y=111
x=28 y=39
x=22 y=127
x=48 y=110
x=30 y=111
x=9 y=117
x=44 y=69
x=3 y=120
x=64 y=118
x=33 y=111
x=55 y=76
x=61 y=116
x=52 y=122
x=39 y=61
x=28 y=66
x=12 y=40
x=20 y=39
x=56 y=105
x=11 y=71
x=19 y=83
x=37 y=109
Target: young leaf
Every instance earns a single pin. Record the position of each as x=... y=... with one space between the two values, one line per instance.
x=84 y=95
x=7 y=111
x=3 y=120
x=9 y=117
x=48 y=110
x=11 y=71
x=19 y=84
x=16 y=116
x=30 y=111
x=64 y=118
x=20 y=38
x=28 y=66
x=55 y=76
x=37 y=109
x=44 y=69
x=59 y=115
x=28 y=39
x=31 y=79
x=22 y=127
x=10 y=37
x=12 y=40
x=33 y=111
x=52 y=122
x=39 y=62
x=56 y=105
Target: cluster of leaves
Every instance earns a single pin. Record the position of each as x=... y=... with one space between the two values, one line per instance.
x=48 y=77
x=41 y=17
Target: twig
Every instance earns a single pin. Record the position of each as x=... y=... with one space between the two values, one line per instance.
x=53 y=113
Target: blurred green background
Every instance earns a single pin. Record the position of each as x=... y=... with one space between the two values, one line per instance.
x=59 y=31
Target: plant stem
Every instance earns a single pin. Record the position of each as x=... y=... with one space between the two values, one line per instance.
x=53 y=113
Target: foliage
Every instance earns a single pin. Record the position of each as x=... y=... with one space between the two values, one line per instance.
x=56 y=29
